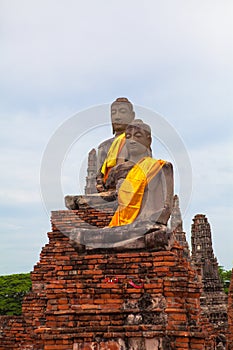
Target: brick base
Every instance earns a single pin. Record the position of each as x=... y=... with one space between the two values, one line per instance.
x=136 y=300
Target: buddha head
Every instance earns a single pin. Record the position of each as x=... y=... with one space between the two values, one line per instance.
x=122 y=114
x=138 y=138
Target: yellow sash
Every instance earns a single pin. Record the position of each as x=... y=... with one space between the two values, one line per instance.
x=113 y=152
x=131 y=191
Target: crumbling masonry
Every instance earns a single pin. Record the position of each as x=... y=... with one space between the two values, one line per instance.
x=108 y=299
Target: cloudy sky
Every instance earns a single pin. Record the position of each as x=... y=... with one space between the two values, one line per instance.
x=62 y=58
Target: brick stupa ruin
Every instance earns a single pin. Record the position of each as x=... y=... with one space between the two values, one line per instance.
x=113 y=299
x=107 y=300
x=213 y=297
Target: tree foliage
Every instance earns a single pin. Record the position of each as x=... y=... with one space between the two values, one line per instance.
x=12 y=290
x=225 y=276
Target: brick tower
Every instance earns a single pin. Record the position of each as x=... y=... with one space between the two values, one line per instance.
x=91 y=172
x=177 y=226
x=213 y=298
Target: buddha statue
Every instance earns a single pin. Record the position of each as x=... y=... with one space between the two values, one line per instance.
x=143 y=187
x=112 y=151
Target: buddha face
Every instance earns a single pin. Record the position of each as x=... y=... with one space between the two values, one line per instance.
x=121 y=116
x=137 y=141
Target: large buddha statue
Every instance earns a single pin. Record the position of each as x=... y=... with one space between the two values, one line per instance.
x=143 y=187
x=112 y=151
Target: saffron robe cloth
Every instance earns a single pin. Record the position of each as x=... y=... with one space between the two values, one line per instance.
x=132 y=189
x=113 y=152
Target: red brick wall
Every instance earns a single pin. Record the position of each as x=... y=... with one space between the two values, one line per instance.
x=107 y=301
x=65 y=220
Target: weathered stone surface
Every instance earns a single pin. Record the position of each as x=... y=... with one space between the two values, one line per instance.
x=96 y=201
x=150 y=236
x=84 y=235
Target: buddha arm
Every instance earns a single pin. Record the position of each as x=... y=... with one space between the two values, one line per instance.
x=168 y=193
x=158 y=196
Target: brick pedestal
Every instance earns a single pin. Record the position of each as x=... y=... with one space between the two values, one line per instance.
x=107 y=300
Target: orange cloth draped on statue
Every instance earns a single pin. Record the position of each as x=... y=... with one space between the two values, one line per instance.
x=131 y=191
x=113 y=152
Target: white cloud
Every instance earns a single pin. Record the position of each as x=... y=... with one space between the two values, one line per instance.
x=212 y=195
x=18 y=196
x=49 y=46
x=24 y=137
x=213 y=164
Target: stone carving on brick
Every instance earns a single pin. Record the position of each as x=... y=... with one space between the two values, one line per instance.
x=147 y=310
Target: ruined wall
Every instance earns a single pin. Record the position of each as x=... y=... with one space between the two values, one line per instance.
x=91 y=172
x=107 y=300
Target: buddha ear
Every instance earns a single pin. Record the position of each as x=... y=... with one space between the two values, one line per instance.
x=149 y=152
x=149 y=139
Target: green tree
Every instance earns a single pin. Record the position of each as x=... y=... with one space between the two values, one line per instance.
x=12 y=290
x=225 y=276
